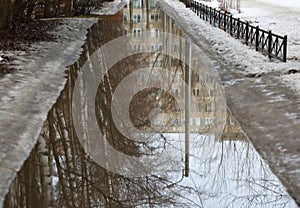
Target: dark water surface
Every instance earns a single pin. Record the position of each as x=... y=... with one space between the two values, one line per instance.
x=222 y=169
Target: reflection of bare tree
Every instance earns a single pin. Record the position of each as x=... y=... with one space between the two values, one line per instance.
x=58 y=173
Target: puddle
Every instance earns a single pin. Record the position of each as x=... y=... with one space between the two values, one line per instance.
x=160 y=138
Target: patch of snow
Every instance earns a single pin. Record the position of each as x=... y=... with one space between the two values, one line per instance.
x=293 y=81
x=28 y=94
x=269 y=16
x=111 y=8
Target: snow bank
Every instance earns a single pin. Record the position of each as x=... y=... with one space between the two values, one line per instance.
x=244 y=59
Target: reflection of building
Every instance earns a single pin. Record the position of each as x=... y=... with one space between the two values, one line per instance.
x=140 y=16
x=232 y=130
x=143 y=15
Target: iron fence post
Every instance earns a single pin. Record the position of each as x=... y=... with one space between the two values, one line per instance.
x=219 y=19
x=203 y=10
x=206 y=12
x=257 y=38
x=210 y=16
x=225 y=17
x=238 y=28
x=231 y=25
x=270 y=44
x=284 y=48
x=247 y=33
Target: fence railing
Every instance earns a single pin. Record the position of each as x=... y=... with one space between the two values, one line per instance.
x=270 y=44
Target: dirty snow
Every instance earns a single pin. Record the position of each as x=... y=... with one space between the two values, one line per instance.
x=111 y=8
x=28 y=94
x=283 y=18
x=265 y=122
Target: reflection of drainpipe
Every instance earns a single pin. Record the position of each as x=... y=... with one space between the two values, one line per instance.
x=187 y=106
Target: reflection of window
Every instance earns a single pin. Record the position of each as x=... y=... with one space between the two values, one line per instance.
x=154 y=17
x=156 y=47
x=137 y=32
x=202 y=122
x=138 y=47
x=125 y=17
x=193 y=121
x=231 y=121
x=175 y=47
x=175 y=107
x=211 y=94
x=193 y=107
x=157 y=121
x=208 y=121
x=176 y=92
x=154 y=33
x=125 y=32
x=137 y=18
x=174 y=122
x=137 y=3
x=202 y=107
x=196 y=92
x=153 y=3
x=177 y=77
x=209 y=107
x=158 y=63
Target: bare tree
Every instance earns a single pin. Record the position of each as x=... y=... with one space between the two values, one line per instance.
x=227 y=5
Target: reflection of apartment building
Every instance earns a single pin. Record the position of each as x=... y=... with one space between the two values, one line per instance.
x=143 y=15
x=232 y=130
x=140 y=16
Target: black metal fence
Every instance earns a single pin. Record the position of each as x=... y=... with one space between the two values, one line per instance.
x=270 y=44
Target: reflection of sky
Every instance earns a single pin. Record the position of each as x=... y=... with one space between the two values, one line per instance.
x=228 y=173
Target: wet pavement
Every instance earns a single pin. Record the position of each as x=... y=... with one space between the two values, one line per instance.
x=269 y=113
x=224 y=170
x=28 y=94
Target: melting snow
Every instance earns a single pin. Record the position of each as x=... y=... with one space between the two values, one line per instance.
x=282 y=17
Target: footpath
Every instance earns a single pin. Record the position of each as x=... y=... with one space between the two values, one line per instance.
x=267 y=107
